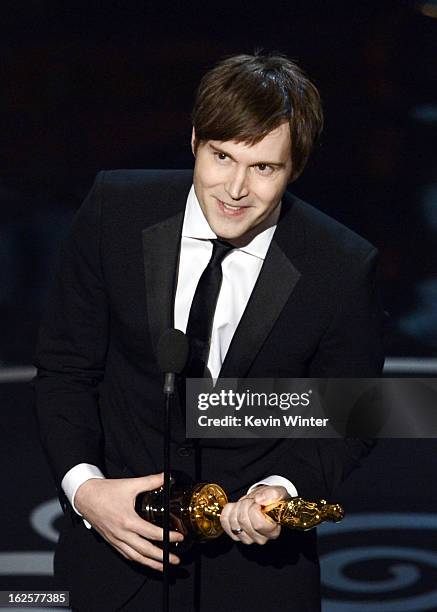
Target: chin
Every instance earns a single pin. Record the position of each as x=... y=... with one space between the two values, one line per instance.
x=226 y=234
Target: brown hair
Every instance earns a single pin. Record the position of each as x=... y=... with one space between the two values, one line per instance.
x=244 y=97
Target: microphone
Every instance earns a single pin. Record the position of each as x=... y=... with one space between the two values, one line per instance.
x=173 y=349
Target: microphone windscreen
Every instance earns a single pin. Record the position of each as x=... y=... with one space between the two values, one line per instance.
x=173 y=348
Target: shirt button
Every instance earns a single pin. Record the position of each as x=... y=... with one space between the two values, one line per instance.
x=184 y=451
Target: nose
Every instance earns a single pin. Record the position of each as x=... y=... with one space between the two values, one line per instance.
x=237 y=184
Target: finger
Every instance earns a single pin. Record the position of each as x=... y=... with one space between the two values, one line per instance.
x=245 y=520
x=132 y=555
x=226 y=517
x=240 y=536
x=244 y=538
x=174 y=536
x=149 y=530
x=263 y=525
x=269 y=494
x=234 y=520
x=259 y=527
x=149 y=550
x=234 y=526
x=147 y=483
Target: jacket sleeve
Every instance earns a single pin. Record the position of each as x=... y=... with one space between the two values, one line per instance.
x=72 y=345
x=352 y=347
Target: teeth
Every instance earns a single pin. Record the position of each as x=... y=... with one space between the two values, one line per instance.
x=231 y=208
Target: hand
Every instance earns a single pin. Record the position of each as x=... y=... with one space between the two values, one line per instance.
x=109 y=505
x=246 y=514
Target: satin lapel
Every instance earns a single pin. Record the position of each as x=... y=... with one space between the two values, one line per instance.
x=277 y=279
x=161 y=255
x=275 y=284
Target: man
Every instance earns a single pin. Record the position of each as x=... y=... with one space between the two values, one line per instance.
x=296 y=299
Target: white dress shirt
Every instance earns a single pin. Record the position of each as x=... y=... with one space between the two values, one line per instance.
x=240 y=268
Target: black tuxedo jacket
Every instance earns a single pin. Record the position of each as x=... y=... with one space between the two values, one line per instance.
x=313 y=312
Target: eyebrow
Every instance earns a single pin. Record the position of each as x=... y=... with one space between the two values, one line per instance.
x=258 y=163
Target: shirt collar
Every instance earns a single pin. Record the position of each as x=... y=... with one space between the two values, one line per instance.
x=196 y=226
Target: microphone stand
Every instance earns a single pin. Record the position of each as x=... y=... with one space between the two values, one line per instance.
x=173 y=348
x=168 y=391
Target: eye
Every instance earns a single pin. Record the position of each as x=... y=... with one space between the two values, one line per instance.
x=220 y=156
x=264 y=169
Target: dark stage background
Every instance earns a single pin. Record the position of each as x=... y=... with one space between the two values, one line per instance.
x=104 y=85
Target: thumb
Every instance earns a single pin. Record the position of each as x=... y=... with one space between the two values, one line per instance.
x=268 y=495
x=148 y=483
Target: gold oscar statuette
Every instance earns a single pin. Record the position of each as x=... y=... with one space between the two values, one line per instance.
x=195 y=511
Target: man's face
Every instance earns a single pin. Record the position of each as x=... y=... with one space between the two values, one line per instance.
x=239 y=187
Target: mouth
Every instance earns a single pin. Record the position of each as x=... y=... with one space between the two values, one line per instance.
x=231 y=210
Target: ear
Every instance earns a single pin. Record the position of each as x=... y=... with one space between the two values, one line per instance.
x=193 y=141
